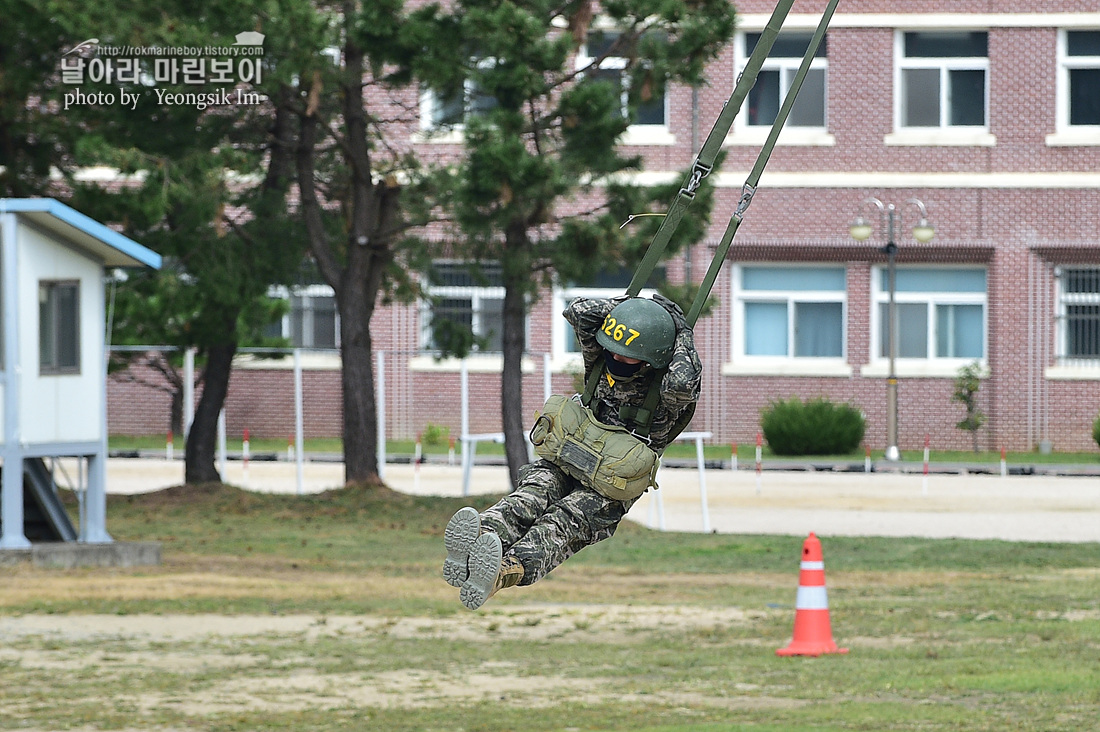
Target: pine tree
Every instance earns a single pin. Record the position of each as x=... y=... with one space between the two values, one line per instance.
x=541 y=131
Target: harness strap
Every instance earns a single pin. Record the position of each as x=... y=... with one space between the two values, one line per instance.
x=749 y=189
x=704 y=161
x=642 y=417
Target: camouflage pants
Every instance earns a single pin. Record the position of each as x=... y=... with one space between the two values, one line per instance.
x=549 y=517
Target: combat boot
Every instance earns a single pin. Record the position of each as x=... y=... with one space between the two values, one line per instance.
x=490 y=571
x=458 y=539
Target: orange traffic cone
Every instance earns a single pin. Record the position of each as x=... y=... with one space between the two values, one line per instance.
x=813 y=634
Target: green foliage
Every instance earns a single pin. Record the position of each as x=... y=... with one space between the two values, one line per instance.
x=816 y=427
x=551 y=134
x=1096 y=430
x=967 y=383
x=435 y=434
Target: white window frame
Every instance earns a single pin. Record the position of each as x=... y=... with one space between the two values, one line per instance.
x=636 y=134
x=1066 y=133
x=308 y=292
x=50 y=327
x=789 y=364
x=561 y=358
x=475 y=293
x=944 y=133
x=745 y=134
x=930 y=365
x=1064 y=299
x=430 y=130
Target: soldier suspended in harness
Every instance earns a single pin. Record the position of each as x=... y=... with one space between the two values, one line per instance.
x=643 y=374
x=601 y=452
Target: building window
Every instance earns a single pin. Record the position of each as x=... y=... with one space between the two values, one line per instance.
x=59 y=327
x=941 y=313
x=776 y=75
x=789 y=312
x=313 y=319
x=452 y=109
x=612 y=68
x=604 y=284
x=942 y=79
x=462 y=302
x=1078 y=314
x=1079 y=83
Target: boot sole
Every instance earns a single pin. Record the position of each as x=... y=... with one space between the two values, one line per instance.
x=484 y=564
x=458 y=539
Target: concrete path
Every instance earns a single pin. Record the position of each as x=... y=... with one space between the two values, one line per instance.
x=1024 y=508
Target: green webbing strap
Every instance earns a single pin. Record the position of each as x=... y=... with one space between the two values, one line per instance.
x=704 y=161
x=758 y=169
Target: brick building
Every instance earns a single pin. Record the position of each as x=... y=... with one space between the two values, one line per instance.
x=986 y=112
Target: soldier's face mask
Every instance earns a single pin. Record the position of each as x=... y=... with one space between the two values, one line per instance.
x=619 y=369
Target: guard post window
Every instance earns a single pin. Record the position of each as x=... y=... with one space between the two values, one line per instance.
x=776 y=75
x=59 y=327
x=943 y=79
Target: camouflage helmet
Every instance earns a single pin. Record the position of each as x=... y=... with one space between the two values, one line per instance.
x=639 y=328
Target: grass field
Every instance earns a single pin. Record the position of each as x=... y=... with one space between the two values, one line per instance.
x=327 y=612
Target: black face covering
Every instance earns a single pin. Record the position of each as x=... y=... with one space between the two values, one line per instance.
x=618 y=369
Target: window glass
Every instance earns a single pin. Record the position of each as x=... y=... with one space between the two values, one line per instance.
x=59 y=327
x=765 y=329
x=941 y=312
x=648 y=110
x=917 y=279
x=959 y=331
x=791 y=312
x=1084 y=96
x=942 y=79
x=818 y=329
x=792 y=278
x=471 y=298
x=1079 y=314
x=946 y=44
x=921 y=97
x=776 y=76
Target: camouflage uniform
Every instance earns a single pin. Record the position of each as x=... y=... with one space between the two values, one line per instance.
x=550 y=516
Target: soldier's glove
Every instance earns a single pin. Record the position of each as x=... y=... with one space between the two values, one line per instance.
x=678 y=317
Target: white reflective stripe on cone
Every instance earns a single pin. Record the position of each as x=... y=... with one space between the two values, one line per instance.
x=813 y=565
x=812 y=598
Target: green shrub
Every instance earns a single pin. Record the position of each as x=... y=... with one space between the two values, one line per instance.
x=1096 y=430
x=816 y=427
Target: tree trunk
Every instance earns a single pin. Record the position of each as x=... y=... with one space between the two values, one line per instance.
x=511 y=379
x=203 y=437
x=357 y=382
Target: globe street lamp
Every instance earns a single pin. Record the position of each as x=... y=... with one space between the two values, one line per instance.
x=861 y=230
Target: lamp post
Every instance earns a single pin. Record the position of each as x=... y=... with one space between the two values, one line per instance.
x=861 y=230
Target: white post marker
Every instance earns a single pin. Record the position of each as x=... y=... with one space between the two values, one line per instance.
x=866 y=458
x=168 y=452
x=244 y=455
x=759 y=460
x=1004 y=463
x=221 y=444
x=380 y=407
x=924 y=482
x=299 y=437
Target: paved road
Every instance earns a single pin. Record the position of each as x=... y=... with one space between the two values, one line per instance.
x=1026 y=508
